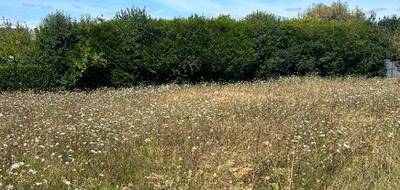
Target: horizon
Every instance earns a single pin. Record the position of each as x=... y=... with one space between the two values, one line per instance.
x=31 y=12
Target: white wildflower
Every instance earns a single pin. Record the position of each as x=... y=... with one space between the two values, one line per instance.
x=10 y=187
x=66 y=182
x=31 y=171
x=15 y=166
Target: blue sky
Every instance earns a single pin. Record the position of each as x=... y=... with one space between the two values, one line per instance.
x=32 y=11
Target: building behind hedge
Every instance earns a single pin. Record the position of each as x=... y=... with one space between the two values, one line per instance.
x=392 y=69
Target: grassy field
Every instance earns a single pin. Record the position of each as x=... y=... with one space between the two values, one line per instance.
x=295 y=133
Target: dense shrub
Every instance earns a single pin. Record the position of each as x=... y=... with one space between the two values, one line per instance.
x=15 y=43
x=391 y=25
x=133 y=48
x=119 y=49
x=27 y=77
x=181 y=50
x=338 y=11
x=55 y=37
x=325 y=48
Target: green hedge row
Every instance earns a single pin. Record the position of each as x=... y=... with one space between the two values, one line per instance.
x=133 y=48
x=27 y=77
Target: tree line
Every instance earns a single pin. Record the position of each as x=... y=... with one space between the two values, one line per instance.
x=133 y=48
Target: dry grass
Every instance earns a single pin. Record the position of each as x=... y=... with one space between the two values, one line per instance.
x=293 y=133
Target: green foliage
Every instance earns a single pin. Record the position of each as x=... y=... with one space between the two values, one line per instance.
x=133 y=34
x=336 y=11
x=84 y=63
x=260 y=17
x=15 y=43
x=325 y=48
x=181 y=50
x=391 y=26
x=390 y=23
x=54 y=38
x=27 y=77
x=133 y=48
x=232 y=50
x=120 y=49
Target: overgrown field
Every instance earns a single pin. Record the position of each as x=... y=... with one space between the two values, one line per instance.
x=295 y=133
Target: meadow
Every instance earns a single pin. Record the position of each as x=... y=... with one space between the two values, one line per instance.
x=291 y=133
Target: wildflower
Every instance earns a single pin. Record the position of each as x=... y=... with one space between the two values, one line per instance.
x=66 y=182
x=10 y=187
x=31 y=171
x=15 y=166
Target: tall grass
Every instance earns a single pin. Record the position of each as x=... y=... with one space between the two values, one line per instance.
x=293 y=133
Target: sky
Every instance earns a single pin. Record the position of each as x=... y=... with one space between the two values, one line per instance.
x=31 y=12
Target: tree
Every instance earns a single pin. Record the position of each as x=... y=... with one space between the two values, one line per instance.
x=15 y=42
x=260 y=17
x=336 y=11
x=390 y=23
x=54 y=38
x=134 y=34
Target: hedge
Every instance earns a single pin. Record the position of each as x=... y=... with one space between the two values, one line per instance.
x=27 y=77
x=134 y=48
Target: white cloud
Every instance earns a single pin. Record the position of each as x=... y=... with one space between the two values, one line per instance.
x=294 y=9
x=37 y=5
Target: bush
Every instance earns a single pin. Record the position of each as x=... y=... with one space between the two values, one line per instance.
x=54 y=39
x=27 y=77
x=325 y=48
x=132 y=48
x=15 y=43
